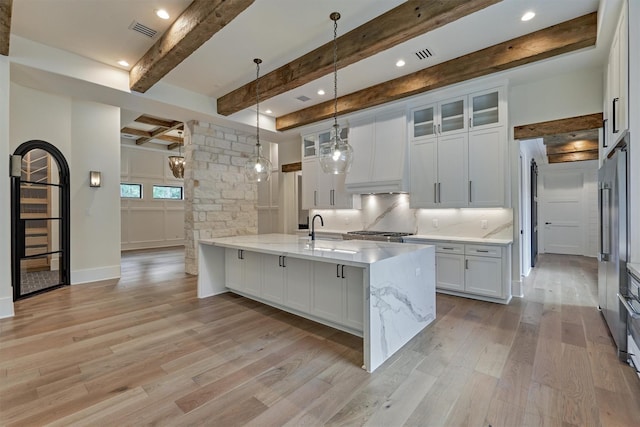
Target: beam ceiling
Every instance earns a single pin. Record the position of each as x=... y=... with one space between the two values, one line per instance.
x=409 y=20
x=162 y=127
x=197 y=24
x=565 y=37
x=5 y=26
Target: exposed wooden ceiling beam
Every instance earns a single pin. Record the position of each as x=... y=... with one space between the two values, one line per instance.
x=565 y=37
x=573 y=157
x=410 y=19
x=158 y=133
x=572 y=147
x=148 y=120
x=292 y=167
x=139 y=132
x=553 y=127
x=5 y=26
x=197 y=24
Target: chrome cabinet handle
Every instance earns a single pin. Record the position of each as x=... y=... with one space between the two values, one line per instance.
x=435 y=192
x=482 y=250
x=434 y=129
x=439 y=193
x=466 y=264
x=315 y=197
x=470 y=122
x=439 y=129
x=470 y=201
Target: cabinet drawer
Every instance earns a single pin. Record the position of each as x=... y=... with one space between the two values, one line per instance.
x=483 y=250
x=450 y=248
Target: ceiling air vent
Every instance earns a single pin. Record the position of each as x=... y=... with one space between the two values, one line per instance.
x=303 y=98
x=143 y=29
x=424 y=54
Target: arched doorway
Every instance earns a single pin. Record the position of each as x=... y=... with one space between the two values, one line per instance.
x=40 y=226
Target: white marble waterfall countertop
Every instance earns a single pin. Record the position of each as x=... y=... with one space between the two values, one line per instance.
x=350 y=252
x=417 y=238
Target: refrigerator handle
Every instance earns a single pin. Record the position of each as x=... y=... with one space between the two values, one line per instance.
x=605 y=223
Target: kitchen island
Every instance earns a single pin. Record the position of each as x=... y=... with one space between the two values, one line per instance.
x=383 y=292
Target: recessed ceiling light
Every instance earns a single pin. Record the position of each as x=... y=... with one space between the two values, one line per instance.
x=400 y=63
x=268 y=111
x=528 y=16
x=163 y=14
x=123 y=63
x=320 y=92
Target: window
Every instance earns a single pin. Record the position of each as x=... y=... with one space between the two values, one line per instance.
x=166 y=192
x=130 y=191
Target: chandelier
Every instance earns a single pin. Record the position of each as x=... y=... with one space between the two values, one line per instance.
x=176 y=163
x=257 y=168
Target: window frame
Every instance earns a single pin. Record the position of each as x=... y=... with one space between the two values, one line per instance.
x=140 y=186
x=153 y=196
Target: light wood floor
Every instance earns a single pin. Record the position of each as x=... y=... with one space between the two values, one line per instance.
x=146 y=351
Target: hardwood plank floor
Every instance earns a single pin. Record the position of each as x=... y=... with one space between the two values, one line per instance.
x=144 y=350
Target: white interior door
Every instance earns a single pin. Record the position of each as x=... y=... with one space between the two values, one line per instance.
x=563 y=228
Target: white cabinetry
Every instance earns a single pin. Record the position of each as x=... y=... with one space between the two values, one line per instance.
x=321 y=190
x=338 y=294
x=472 y=270
x=326 y=291
x=616 y=104
x=379 y=144
x=457 y=152
x=243 y=271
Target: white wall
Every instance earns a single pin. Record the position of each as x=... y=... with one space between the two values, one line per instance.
x=6 y=291
x=88 y=135
x=634 y=129
x=149 y=223
x=562 y=96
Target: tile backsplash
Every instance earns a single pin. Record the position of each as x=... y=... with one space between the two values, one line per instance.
x=391 y=212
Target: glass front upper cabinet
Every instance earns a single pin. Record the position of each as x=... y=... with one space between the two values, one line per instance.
x=452 y=116
x=424 y=124
x=309 y=148
x=485 y=109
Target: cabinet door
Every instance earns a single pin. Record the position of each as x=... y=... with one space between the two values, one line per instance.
x=327 y=297
x=485 y=109
x=452 y=171
x=325 y=189
x=233 y=269
x=424 y=174
x=486 y=167
x=452 y=116
x=353 y=296
x=310 y=183
x=450 y=272
x=390 y=146
x=361 y=139
x=423 y=122
x=272 y=278
x=252 y=271
x=483 y=276
x=297 y=292
x=339 y=198
x=309 y=146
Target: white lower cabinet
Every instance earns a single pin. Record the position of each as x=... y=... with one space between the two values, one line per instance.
x=338 y=294
x=243 y=271
x=476 y=271
x=326 y=291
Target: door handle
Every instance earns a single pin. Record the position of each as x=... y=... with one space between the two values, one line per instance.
x=338 y=270
x=280 y=261
x=604 y=133
x=470 y=191
x=615 y=102
x=315 y=197
x=283 y=264
x=435 y=192
x=466 y=264
x=342 y=271
x=547 y=223
x=470 y=122
x=439 y=193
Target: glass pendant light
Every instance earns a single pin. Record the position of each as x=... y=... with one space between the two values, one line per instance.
x=337 y=155
x=258 y=167
x=176 y=163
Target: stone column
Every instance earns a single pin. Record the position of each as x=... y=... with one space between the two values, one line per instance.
x=218 y=200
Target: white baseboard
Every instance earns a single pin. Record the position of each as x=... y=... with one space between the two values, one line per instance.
x=6 y=307
x=95 y=274
x=517 y=289
x=132 y=246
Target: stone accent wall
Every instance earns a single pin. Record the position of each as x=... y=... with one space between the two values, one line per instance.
x=218 y=200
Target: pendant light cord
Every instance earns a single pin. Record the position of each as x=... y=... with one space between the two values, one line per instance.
x=257 y=61
x=335 y=68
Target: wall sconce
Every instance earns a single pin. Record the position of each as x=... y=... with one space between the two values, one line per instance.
x=95 y=179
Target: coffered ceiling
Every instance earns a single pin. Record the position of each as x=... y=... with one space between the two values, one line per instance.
x=279 y=31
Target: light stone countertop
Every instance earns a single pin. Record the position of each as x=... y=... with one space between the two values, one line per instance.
x=351 y=252
x=436 y=237
x=634 y=268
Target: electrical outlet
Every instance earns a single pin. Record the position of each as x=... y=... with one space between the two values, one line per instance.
x=483 y=224
x=434 y=222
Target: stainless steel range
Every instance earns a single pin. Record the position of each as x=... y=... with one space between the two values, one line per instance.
x=379 y=236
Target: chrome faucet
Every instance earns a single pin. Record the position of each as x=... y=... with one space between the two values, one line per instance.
x=313 y=226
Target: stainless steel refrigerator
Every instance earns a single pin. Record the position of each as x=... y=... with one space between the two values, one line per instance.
x=612 y=259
